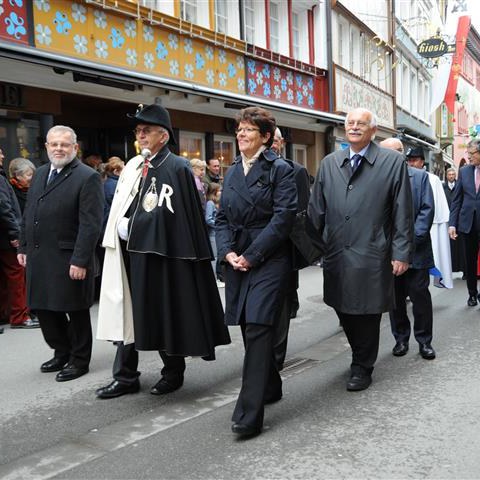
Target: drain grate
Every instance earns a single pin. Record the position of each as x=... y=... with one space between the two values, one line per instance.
x=295 y=365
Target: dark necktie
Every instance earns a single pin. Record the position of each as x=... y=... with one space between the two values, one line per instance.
x=355 y=162
x=52 y=176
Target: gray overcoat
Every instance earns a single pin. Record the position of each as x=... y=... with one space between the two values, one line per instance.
x=364 y=221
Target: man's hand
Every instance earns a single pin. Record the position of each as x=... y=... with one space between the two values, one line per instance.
x=399 y=267
x=22 y=259
x=14 y=243
x=77 y=273
x=452 y=233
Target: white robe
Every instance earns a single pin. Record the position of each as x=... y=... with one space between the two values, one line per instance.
x=115 y=317
x=439 y=234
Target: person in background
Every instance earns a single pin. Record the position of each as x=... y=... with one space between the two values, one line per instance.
x=113 y=169
x=13 y=299
x=415 y=281
x=61 y=226
x=361 y=211
x=198 y=168
x=291 y=303
x=214 y=192
x=465 y=216
x=212 y=173
x=456 y=248
x=93 y=161
x=256 y=215
x=442 y=272
x=20 y=171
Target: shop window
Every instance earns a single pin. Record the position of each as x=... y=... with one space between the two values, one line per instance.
x=300 y=154
x=224 y=151
x=192 y=145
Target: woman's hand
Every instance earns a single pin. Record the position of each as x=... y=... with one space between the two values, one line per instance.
x=238 y=263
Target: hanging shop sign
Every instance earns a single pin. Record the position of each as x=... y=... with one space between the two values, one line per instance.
x=434 y=48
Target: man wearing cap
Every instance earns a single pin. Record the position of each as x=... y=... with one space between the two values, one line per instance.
x=415 y=281
x=465 y=216
x=158 y=289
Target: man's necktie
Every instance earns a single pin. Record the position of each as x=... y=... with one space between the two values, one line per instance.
x=52 y=176
x=146 y=164
x=355 y=162
x=477 y=178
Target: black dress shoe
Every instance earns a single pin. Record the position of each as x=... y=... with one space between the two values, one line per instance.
x=426 y=351
x=53 y=365
x=472 y=301
x=70 y=372
x=359 y=382
x=162 y=386
x=117 y=389
x=246 y=430
x=400 y=349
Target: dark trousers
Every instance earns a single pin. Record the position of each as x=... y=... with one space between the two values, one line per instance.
x=414 y=284
x=260 y=380
x=69 y=334
x=470 y=242
x=282 y=327
x=363 y=335
x=13 y=297
x=126 y=364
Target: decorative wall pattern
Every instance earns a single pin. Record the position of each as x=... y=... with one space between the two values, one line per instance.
x=279 y=84
x=75 y=29
x=13 y=21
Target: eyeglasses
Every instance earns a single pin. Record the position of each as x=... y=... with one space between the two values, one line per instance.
x=56 y=145
x=359 y=123
x=246 y=130
x=146 y=131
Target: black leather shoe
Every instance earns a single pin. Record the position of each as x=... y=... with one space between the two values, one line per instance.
x=359 y=382
x=245 y=430
x=162 y=386
x=117 y=389
x=53 y=365
x=70 y=372
x=426 y=351
x=472 y=301
x=400 y=349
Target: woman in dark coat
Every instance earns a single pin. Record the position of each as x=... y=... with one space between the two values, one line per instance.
x=256 y=214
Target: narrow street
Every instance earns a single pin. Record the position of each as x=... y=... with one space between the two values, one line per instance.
x=419 y=419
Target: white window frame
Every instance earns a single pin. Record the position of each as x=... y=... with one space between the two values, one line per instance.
x=249 y=33
x=221 y=19
x=300 y=148
x=296 y=35
x=229 y=140
x=275 y=22
x=189 y=11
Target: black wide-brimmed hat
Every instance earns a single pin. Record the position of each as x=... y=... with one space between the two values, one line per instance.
x=153 y=115
x=416 y=152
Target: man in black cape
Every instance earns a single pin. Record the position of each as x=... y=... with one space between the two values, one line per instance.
x=158 y=287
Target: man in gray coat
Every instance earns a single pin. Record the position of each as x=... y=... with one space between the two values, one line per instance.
x=61 y=226
x=360 y=211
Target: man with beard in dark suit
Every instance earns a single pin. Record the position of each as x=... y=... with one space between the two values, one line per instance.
x=61 y=226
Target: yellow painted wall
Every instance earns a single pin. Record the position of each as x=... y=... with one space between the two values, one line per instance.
x=106 y=37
